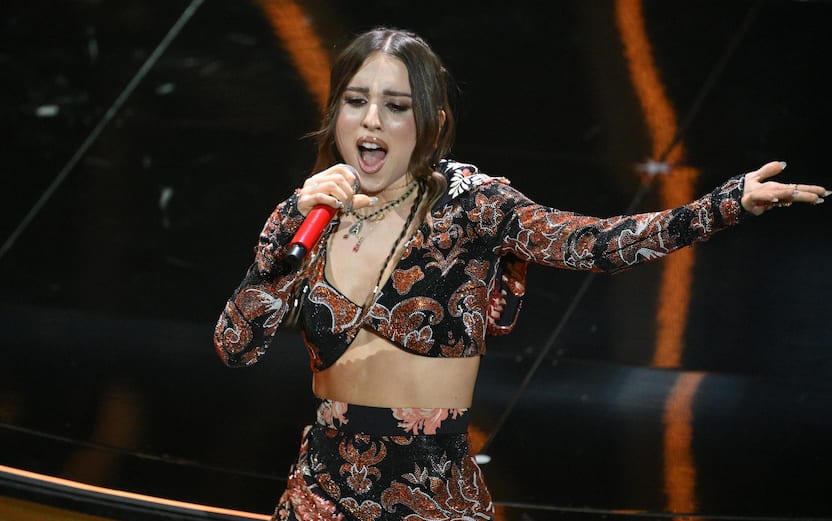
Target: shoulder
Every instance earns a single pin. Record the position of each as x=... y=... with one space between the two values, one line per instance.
x=465 y=180
x=465 y=177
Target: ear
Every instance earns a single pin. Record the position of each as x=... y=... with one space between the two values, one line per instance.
x=442 y=118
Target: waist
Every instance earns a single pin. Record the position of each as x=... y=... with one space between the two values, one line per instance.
x=391 y=421
x=375 y=372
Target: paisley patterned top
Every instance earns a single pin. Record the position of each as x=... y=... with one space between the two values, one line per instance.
x=459 y=279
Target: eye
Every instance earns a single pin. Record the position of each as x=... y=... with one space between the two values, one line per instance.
x=398 y=107
x=355 y=101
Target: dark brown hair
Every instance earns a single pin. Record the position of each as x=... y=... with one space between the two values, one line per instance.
x=430 y=85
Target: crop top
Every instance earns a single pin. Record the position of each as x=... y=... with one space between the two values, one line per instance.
x=461 y=276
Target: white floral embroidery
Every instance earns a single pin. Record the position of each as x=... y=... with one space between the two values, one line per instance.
x=464 y=183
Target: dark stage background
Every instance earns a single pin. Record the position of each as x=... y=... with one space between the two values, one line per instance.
x=145 y=143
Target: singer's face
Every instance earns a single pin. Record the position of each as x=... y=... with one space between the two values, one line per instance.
x=375 y=129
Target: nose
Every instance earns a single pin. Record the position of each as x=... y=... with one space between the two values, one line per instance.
x=371 y=118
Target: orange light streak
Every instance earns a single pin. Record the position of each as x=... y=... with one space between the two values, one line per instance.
x=128 y=495
x=680 y=467
x=476 y=438
x=658 y=113
x=674 y=189
x=677 y=269
x=292 y=27
x=476 y=441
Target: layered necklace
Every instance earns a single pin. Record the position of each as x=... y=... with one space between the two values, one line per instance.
x=374 y=216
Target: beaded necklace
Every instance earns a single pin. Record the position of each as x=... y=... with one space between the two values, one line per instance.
x=374 y=216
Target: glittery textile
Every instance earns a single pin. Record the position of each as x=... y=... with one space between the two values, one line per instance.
x=348 y=475
x=462 y=278
x=393 y=421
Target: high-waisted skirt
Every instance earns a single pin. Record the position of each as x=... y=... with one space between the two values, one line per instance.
x=375 y=463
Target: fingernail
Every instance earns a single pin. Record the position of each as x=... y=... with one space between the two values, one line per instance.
x=783 y=165
x=819 y=201
x=373 y=200
x=775 y=200
x=827 y=193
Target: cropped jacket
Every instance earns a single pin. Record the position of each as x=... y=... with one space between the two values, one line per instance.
x=462 y=274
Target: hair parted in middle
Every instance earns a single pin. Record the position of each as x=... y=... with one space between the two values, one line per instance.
x=430 y=84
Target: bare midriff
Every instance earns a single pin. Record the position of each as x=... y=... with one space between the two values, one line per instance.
x=375 y=372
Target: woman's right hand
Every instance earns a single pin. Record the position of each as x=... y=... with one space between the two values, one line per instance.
x=338 y=186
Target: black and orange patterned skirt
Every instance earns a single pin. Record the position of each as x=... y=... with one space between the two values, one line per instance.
x=375 y=463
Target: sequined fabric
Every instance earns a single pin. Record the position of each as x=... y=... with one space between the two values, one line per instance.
x=393 y=421
x=345 y=475
x=461 y=278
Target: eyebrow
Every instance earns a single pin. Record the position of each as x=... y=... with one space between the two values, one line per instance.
x=386 y=92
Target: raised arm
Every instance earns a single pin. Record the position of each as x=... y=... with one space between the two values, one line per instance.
x=252 y=315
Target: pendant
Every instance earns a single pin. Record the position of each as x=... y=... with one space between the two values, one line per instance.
x=357 y=244
x=355 y=228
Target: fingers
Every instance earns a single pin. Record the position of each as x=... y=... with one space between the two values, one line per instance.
x=810 y=193
x=336 y=187
x=800 y=193
x=760 y=195
x=363 y=201
x=776 y=195
x=768 y=170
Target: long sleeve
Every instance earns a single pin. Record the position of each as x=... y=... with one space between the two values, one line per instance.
x=485 y=233
x=256 y=308
x=552 y=237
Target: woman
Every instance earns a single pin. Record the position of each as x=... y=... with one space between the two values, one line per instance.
x=424 y=257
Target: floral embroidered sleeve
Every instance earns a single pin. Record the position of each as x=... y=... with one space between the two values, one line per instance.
x=252 y=315
x=552 y=237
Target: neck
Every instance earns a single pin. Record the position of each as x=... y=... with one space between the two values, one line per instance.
x=399 y=184
x=395 y=191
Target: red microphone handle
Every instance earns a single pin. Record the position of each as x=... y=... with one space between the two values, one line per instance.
x=310 y=231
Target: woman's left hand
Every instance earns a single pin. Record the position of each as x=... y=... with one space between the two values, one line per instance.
x=760 y=195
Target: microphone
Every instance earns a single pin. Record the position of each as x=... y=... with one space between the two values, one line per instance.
x=313 y=227
x=308 y=234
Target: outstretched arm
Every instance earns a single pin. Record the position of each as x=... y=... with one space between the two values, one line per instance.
x=556 y=238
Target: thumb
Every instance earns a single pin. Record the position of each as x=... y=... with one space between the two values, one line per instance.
x=363 y=201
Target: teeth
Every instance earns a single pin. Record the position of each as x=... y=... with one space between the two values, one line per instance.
x=371 y=146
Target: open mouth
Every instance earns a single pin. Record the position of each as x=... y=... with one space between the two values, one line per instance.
x=371 y=154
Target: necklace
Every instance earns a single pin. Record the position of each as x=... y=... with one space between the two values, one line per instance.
x=374 y=216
